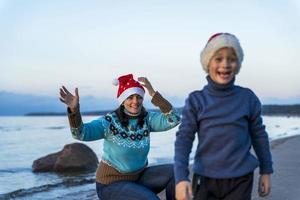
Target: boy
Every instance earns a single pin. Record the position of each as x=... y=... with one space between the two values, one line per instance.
x=227 y=119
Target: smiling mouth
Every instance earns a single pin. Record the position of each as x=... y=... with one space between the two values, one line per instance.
x=135 y=108
x=224 y=74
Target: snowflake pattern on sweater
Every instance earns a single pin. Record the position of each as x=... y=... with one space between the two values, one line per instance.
x=131 y=136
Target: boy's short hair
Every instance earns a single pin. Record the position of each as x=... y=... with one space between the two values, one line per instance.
x=218 y=41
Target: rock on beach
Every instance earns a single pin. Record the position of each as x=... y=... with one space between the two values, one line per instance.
x=75 y=157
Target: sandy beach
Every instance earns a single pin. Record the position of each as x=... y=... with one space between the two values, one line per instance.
x=286 y=177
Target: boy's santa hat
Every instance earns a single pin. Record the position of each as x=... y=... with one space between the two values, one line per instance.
x=218 y=41
x=128 y=86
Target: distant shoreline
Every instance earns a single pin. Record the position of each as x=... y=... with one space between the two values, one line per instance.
x=267 y=110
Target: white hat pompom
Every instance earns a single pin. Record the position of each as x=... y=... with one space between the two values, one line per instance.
x=115 y=82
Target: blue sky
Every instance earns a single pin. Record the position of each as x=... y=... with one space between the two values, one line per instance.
x=86 y=44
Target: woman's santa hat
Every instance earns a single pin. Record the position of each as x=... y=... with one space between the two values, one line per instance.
x=127 y=87
x=218 y=41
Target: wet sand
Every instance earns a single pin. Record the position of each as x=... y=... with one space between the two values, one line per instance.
x=286 y=176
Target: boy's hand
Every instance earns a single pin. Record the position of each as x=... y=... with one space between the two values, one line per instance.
x=146 y=83
x=264 y=185
x=184 y=191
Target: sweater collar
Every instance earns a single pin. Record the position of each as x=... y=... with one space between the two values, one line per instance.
x=219 y=89
x=130 y=115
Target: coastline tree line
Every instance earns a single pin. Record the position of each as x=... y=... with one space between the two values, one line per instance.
x=268 y=110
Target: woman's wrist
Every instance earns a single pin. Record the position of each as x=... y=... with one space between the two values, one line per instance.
x=73 y=110
x=75 y=119
x=163 y=104
x=152 y=93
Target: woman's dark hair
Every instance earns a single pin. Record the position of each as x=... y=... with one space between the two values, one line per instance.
x=124 y=119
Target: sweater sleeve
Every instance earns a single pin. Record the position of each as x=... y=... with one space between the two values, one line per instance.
x=158 y=121
x=184 y=140
x=260 y=139
x=163 y=104
x=90 y=131
x=167 y=118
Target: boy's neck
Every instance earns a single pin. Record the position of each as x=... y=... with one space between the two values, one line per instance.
x=220 y=87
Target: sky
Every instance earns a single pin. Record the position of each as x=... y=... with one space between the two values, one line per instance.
x=88 y=43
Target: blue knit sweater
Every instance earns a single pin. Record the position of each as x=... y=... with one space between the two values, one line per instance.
x=227 y=120
x=125 y=148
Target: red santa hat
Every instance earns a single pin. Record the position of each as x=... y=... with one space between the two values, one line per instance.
x=218 y=41
x=128 y=86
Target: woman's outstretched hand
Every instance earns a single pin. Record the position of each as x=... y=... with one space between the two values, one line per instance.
x=72 y=101
x=146 y=83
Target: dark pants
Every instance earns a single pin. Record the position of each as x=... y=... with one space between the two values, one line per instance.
x=153 y=180
x=239 y=188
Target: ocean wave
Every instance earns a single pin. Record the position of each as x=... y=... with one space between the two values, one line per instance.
x=43 y=188
x=14 y=170
x=56 y=127
x=21 y=128
x=9 y=129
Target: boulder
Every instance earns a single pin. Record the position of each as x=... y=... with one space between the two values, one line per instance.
x=75 y=157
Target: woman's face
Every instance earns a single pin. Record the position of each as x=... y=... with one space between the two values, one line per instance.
x=133 y=104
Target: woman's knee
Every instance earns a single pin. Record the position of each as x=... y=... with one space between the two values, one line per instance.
x=124 y=190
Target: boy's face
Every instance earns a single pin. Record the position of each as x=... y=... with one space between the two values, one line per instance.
x=223 y=66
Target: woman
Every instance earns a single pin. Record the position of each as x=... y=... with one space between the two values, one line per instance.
x=123 y=172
